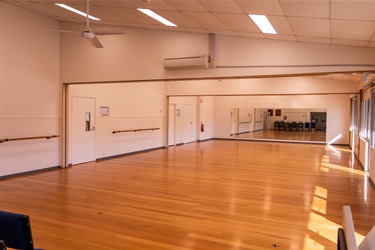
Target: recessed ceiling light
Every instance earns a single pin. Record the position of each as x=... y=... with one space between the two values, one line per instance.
x=157 y=17
x=76 y=11
x=263 y=23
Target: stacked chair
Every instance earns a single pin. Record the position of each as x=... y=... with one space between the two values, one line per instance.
x=300 y=126
x=276 y=125
x=287 y=125
x=293 y=126
x=15 y=231
x=282 y=125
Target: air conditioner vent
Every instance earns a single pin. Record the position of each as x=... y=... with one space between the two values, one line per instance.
x=193 y=62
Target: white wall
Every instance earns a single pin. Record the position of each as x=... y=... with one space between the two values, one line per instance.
x=131 y=106
x=263 y=57
x=337 y=107
x=139 y=55
x=260 y=86
x=30 y=91
x=207 y=107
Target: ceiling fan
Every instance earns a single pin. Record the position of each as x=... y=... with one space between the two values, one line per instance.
x=91 y=34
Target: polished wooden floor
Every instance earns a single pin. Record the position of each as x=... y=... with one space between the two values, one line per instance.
x=283 y=135
x=218 y=194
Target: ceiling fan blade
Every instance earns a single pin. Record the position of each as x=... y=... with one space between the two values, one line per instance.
x=109 y=32
x=95 y=42
x=63 y=31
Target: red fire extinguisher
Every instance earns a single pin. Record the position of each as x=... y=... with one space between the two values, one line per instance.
x=202 y=127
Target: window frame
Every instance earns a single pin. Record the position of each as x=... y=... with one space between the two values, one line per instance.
x=372 y=117
x=365 y=119
x=354 y=115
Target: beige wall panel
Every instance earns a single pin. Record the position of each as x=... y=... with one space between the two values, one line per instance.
x=30 y=90
x=139 y=55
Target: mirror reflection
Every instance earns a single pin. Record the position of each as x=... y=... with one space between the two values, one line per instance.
x=289 y=124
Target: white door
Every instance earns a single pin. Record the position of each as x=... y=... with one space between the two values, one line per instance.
x=83 y=130
x=190 y=123
x=172 y=125
x=267 y=120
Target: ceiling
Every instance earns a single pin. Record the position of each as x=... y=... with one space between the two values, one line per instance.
x=339 y=22
x=343 y=22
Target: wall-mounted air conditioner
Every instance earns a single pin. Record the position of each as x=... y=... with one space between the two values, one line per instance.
x=193 y=62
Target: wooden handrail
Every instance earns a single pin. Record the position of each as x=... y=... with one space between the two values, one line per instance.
x=29 y=138
x=133 y=130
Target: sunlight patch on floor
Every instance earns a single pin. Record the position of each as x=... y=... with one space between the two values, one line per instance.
x=323 y=227
x=338 y=149
x=237 y=243
x=321 y=192
x=345 y=169
x=310 y=244
x=325 y=159
x=319 y=224
x=319 y=205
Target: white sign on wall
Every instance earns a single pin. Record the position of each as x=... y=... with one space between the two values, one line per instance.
x=104 y=111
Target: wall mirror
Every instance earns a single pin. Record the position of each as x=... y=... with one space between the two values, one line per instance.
x=279 y=124
x=235 y=117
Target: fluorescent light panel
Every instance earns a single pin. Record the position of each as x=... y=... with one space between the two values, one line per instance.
x=263 y=23
x=76 y=11
x=157 y=17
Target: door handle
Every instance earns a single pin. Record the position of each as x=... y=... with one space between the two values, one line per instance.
x=93 y=128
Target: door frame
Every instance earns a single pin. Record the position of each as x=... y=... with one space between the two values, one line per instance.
x=66 y=131
x=172 y=107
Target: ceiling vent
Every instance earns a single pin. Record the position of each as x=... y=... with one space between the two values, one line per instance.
x=193 y=62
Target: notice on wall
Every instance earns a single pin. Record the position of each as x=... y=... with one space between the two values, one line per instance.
x=104 y=111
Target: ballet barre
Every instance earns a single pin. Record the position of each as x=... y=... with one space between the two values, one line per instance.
x=28 y=138
x=134 y=130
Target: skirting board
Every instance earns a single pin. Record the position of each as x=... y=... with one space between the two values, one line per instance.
x=130 y=153
x=29 y=172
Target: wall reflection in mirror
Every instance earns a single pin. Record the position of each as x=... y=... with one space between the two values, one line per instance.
x=278 y=124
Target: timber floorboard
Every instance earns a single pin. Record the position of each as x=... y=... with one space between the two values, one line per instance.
x=215 y=195
x=283 y=135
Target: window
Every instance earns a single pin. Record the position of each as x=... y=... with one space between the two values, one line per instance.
x=365 y=124
x=354 y=115
x=373 y=117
